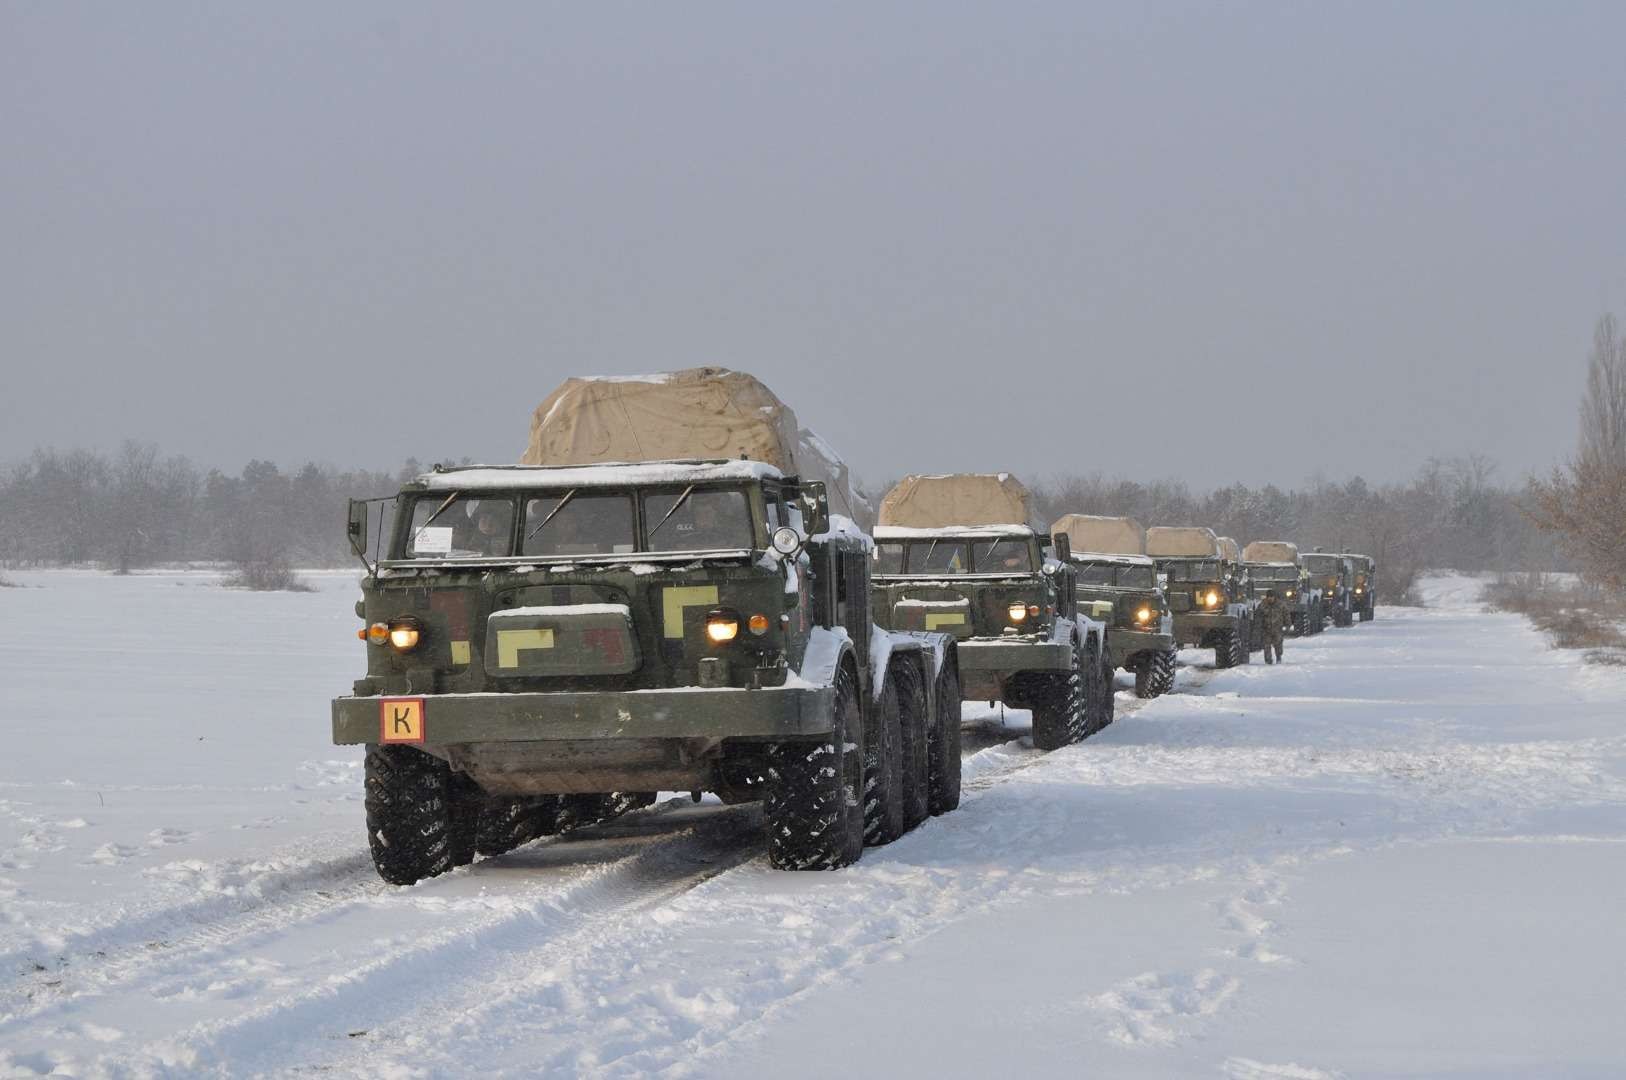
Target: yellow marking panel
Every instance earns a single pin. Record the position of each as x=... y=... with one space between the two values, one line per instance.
x=401 y=720
x=510 y=642
x=934 y=621
x=460 y=652
x=674 y=600
x=1100 y=607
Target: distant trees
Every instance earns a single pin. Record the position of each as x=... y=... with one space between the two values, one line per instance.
x=1583 y=504
x=1450 y=515
x=137 y=508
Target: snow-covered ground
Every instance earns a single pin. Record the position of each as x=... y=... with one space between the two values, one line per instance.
x=1401 y=853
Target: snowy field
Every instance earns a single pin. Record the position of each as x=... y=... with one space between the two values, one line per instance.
x=1401 y=853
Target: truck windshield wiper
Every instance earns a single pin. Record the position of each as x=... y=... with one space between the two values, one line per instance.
x=571 y=494
x=681 y=499
x=430 y=519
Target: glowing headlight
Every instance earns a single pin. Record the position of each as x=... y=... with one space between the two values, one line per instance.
x=1143 y=615
x=722 y=626
x=1290 y=594
x=1211 y=598
x=1018 y=612
x=404 y=637
x=1358 y=590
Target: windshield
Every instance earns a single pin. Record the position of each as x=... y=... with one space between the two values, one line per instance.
x=691 y=520
x=1124 y=577
x=939 y=557
x=889 y=558
x=1273 y=573
x=1323 y=564
x=1005 y=556
x=578 y=524
x=1201 y=570
x=457 y=526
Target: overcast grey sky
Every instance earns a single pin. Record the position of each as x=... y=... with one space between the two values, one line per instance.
x=1249 y=242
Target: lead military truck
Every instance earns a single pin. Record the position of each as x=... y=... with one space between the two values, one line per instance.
x=961 y=554
x=1206 y=592
x=550 y=644
x=1119 y=583
x=1275 y=564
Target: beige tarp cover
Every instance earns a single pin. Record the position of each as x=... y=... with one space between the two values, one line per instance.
x=707 y=412
x=935 y=502
x=1182 y=542
x=1271 y=551
x=1231 y=550
x=1102 y=535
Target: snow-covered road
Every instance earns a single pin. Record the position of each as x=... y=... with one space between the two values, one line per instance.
x=1403 y=852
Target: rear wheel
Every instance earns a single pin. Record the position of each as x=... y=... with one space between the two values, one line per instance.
x=943 y=744
x=505 y=823
x=915 y=723
x=883 y=768
x=815 y=807
x=1106 y=676
x=417 y=814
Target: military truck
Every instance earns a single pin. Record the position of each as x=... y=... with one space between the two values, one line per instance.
x=1275 y=564
x=1206 y=592
x=1119 y=584
x=550 y=644
x=960 y=554
x=1333 y=577
x=1364 y=586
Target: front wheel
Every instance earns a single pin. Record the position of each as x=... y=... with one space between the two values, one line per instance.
x=417 y=815
x=1061 y=712
x=1155 y=676
x=815 y=804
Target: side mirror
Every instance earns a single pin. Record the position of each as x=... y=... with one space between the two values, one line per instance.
x=1062 y=545
x=357 y=528
x=815 y=508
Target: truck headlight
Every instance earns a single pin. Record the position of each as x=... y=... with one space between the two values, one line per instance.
x=1143 y=615
x=405 y=634
x=1017 y=612
x=1211 y=598
x=722 y=626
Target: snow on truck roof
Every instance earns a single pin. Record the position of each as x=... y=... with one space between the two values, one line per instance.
x=955 y=532
x=1114 y=559
x=611 y=474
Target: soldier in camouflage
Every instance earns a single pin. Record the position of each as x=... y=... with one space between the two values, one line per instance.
x=1273 y=617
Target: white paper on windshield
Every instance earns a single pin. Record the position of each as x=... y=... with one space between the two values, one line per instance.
x=432 y=540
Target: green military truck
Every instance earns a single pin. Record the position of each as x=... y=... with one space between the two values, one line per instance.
x=551 y=644
x=1206 y=592
x=1333 y=577
x=1275 y=564
x=960 y=554
x=1363 y=586
x=1118 y=583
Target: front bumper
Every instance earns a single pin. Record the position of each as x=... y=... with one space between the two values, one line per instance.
x=1009 y=657
x=1190 y=627
x=1123 y=644
x=451 y=719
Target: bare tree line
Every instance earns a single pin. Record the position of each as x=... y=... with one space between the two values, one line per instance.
x=1583 y=504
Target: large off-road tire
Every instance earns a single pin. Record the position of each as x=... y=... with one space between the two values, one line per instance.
x=1369 y=610
x=504 y=823
x=1225 y=648
x=1244 y=642
x=913 y=726
x=417 y=815
x=1107 y=693
x=581 y=811
x=883 y=768
x=1155 y=676
x=815 y=805
x=943 y=744
x=1061 y=708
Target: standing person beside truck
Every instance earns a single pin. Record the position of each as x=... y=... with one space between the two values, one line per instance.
x=1272 y=617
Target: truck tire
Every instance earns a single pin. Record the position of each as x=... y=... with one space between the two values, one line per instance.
x=1244 y=641
x=581 y=811
x=1107 y=704
x=815 y=804
x=416 y=816
x=1155 y=676
x=1369 y=611
x=1225 y=648
x=883 y=768
x=915 y=723
x=1061 y=712
x=943 y=744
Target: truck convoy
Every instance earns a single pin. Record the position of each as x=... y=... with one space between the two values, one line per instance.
x=1205 y=592
x=1114 y=571
x=1364 y=585
x=660 y=598
x=961 y=554
x=1275 y=564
